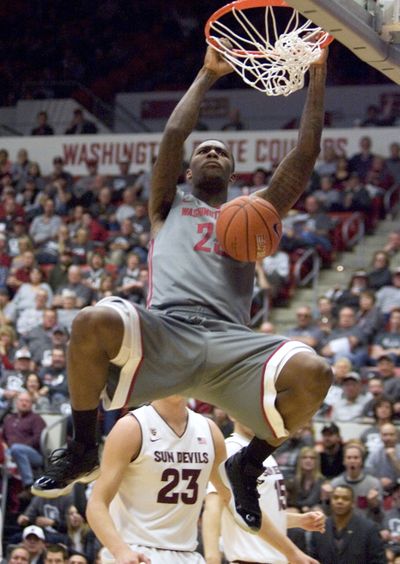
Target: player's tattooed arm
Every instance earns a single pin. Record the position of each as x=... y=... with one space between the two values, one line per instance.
x=181 y=123
x=292 y=175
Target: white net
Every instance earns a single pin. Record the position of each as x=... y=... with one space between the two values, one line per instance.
x=273 y=61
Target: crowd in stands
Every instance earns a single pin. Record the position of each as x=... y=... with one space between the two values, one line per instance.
x=66 y=242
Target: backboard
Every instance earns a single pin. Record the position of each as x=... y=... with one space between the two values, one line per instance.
x=369 y=28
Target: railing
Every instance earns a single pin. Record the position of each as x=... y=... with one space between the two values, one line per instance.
x=353 y=230
x=6 y=131
x=106 y=113
x=391 y=201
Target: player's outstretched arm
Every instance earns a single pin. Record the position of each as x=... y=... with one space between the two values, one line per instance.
x=309 y=521
x=121 y=447
x=179 y=126
x=292 y=175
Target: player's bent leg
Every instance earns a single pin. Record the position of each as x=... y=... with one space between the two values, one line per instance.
x=300 y=388
x=96 y=338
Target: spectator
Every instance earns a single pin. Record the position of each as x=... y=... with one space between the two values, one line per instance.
x=388 y=297
x=361 y=162
x=81 y=246
x=69 y=308
x=74 y=284
x=353 y=400
x=33 y=539
x=140 y=220
x=356 y=196
x=59 y=273
x=19 y=170
x=331 y=451
x=19 y=555
x=392 y=246
x=58 y=172
x=304 y=490
x=80 y=538
x=306 y=331
x=42 y=128
x=348 y=537
x=49 y=515
x=375 y=391
x=367 y=489
x=380 y=274
x=259 y=180
x=329 y=197
x=19 y=245
x=126 y=209
x=347 y=340
x=369 y=318
x=393 y=162
x=78 y=558
x=383 y=413
x=122 y=243
x=124 y=179
x=44 y=227
x=342 y=172
x=38 y=393
x=21 y=432
x=26 y=293
x=286 y=455
x=391 y=524
x=128 y=284
x=86 y=188
x=33 y=316
x=56 y=554
x=387 y=342
x=316 y=226
x=93 y=275
x=327 y=165
x=276 y=268
x=39 y=339
x=104 y=210
x=79 y=125
x=384 y=461
x=54 y=378
x=22 y=366
x=325 y=315
x=341 y=368
x=21 y=274
x=386 y=371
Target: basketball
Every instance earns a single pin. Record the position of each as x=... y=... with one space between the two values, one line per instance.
x=249 y=228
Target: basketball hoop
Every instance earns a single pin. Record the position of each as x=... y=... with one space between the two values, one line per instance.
x=275 y=59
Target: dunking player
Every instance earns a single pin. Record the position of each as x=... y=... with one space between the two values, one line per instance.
x=193 y=339
x=155 y=469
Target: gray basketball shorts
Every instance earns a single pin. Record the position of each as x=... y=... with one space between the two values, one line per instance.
x=221 y=363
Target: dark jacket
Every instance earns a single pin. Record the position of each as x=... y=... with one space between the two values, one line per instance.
x=361 y=544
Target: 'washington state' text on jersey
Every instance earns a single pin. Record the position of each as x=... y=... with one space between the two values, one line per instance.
x=189 y=268
x=160 y=497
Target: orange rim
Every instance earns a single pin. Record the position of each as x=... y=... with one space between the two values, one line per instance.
x=245 y=4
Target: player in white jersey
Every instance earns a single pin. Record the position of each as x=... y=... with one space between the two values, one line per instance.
x=155 y=469
x=239 y=545
x=192 y=339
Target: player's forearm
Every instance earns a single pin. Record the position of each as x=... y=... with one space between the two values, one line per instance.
x=103 y=526
x=185 y=115
x=312 y=119
x=211 y=528
x=270 y=534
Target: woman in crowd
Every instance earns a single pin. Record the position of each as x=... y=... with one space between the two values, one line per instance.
x=304 y=490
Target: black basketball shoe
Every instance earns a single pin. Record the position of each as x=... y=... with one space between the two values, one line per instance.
x=66 y=467
x=241 y=479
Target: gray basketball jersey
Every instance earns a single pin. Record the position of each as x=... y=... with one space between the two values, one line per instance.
x=189 y=268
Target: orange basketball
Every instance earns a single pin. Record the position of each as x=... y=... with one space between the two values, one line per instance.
x=249 y=228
